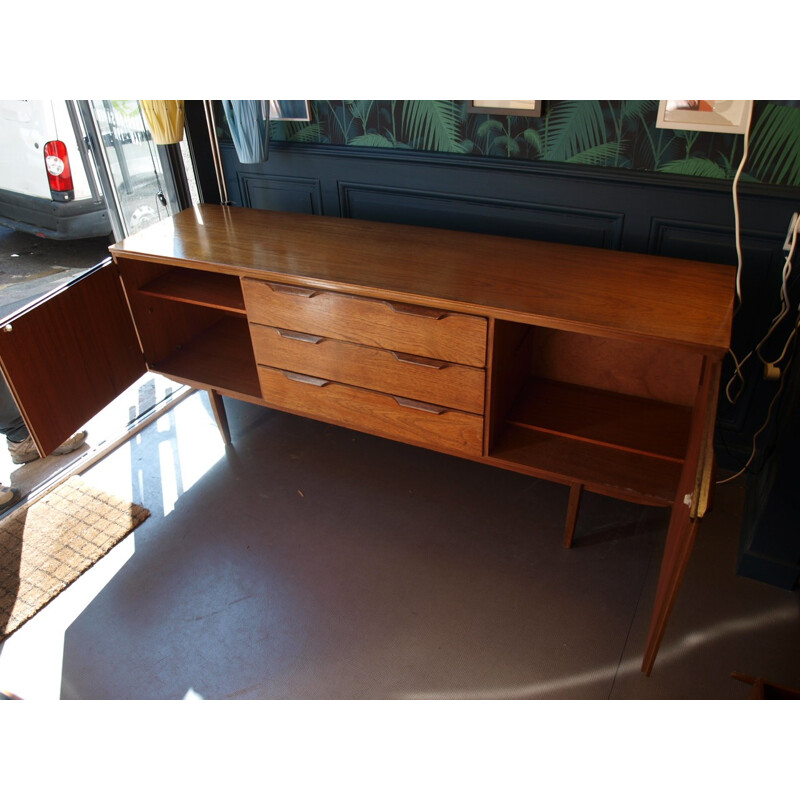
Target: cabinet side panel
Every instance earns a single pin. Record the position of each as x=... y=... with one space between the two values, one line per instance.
x=509 y=367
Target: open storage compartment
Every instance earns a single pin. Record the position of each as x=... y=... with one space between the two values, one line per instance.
x=192 y=326
x=611 y=414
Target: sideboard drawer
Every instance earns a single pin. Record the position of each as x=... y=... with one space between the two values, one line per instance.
x=376 y=413
x=419 y=330
x=439 y=382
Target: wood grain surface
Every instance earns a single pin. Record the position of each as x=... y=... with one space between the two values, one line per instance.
x=564 y=286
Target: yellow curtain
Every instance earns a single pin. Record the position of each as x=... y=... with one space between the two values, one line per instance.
x=165 y=119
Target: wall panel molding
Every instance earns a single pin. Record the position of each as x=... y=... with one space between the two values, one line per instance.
x=481 y=214
x=682 y=238
x=289 y=193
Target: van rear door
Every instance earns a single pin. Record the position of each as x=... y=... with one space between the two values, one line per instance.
x=48 y=186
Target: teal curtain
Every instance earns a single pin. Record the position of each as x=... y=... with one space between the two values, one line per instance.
x=248 y=129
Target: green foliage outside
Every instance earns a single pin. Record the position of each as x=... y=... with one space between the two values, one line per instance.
x=597 y=133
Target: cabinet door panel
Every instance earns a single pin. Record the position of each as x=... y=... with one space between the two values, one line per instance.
x=686 y=512
x=70 y=355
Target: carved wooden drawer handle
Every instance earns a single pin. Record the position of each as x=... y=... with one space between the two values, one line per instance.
x=407 y=358
x=418 y=405
x=296 y=336
x=309 y=379
x=416 y=311
x=285 y=288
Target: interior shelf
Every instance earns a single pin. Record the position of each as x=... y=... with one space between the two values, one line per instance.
x=624 y=422
x=220 y=357
x=210 y=289
x=602 y=469
x=613 y=443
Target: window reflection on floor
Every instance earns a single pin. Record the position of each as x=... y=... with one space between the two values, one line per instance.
x=162 y=462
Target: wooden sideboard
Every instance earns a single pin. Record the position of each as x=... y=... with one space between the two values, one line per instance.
x=596 y=369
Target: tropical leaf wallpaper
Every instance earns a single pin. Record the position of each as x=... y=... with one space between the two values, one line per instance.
x=599 y=133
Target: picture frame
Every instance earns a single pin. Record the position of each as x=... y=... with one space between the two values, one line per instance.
x=289 y=110
x=513 y=108
x=712 y=116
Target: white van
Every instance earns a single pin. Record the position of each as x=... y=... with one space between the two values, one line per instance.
x=48 y=185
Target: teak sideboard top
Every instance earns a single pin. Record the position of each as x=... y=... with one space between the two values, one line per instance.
x=575 y=288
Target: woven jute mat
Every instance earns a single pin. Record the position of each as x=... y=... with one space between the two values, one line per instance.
x=47 y=543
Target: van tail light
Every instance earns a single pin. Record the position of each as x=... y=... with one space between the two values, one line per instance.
x=59 y=174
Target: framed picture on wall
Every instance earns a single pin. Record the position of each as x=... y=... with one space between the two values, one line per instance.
x=290 y=110
x=714 y=116
x=514 y=108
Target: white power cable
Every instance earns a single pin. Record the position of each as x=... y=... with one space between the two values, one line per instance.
x=766 y=421
x=735 y=190
x=739 y=259
x=785 y=303
x=785 y=306
x=779 y=317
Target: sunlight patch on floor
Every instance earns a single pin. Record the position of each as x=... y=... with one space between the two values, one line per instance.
x=187 y=455
x=31 y=658
x=559 y=686
x=188 y=444
x=162 y=462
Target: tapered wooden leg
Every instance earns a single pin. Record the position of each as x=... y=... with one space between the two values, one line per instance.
x=678 y=548
x=575 y=492
x=218 y=407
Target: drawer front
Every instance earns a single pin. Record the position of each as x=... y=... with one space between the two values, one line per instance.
x=439 y=382
x=373 y=412
x=422 y=331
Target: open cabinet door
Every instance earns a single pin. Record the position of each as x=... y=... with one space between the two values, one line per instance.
x=691 y=505
x=68 y=356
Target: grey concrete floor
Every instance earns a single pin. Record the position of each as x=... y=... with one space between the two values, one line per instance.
x=30 y=266
x=306 y=561
x=24 y=256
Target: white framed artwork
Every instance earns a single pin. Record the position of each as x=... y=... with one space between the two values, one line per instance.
x=713 y=116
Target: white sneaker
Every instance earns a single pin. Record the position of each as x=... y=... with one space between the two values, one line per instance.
x=25 y=451
x=73 y=443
